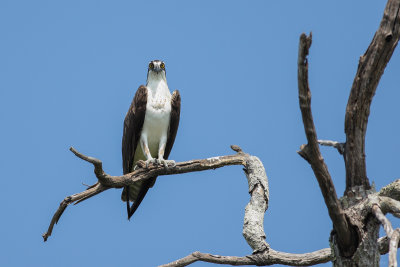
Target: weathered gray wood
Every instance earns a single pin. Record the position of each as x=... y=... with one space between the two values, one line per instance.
x=394 y=242
x=106 y=181
x=269 y=257
x=335 y=144
x=253 y=226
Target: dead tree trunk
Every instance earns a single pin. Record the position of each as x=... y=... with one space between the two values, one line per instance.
x=356 y=217
x=354 y=238
x=363 y=251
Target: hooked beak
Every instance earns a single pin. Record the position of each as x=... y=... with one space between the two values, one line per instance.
x=157 y=69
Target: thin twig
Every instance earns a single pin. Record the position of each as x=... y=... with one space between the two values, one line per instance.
x=312 y=154
x=339 y=146
x=98 y=165
x=76 y=198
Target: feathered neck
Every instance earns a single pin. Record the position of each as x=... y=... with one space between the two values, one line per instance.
x=156 y=81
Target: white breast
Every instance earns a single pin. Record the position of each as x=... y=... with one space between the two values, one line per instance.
x=158 y=110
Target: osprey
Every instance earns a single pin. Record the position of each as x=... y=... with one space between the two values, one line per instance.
x=150 y=128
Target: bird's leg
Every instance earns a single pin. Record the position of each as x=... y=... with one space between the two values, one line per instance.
x=146 y=152
x=161 y=151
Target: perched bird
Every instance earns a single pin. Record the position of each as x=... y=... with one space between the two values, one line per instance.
x=150 y=128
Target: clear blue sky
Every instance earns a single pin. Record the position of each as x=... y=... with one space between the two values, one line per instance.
x=69 y=70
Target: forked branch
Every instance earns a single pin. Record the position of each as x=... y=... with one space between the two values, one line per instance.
x=389 y=202
x=76 y=198
x=312 y=154
x=106 y=181
x=392 y=235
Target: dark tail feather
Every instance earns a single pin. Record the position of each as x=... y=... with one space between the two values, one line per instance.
x=142 y=193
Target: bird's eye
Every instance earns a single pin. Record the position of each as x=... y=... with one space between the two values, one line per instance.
x=151 y=65
x=162 y=65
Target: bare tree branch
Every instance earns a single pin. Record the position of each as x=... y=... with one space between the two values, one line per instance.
x=390 y=198
x=253 y=226
x=392 y=190
x=106 y=181
x=376 y=210
x=311 y=151
x=198 y=256
x=369 y=72
x=261 y=259
x=335 y=144
x=392 y=235
x=389 y=205
x=88 y=193
x=156 y=170
x=383 y=244
x=394 y=242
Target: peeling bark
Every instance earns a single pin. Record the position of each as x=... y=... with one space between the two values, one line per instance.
x=253 y=227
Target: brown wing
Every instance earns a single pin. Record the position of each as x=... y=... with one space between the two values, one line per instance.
x=133 y=125
x=173 y=122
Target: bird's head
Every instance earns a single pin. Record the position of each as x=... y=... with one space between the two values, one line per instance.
x=156 y=70
x=156 y=66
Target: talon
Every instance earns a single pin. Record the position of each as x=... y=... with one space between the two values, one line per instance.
x=171 y=162
x=165 y=166
x=140 y=164
x=163 y=163
x=166 y=163
x=151 y=160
